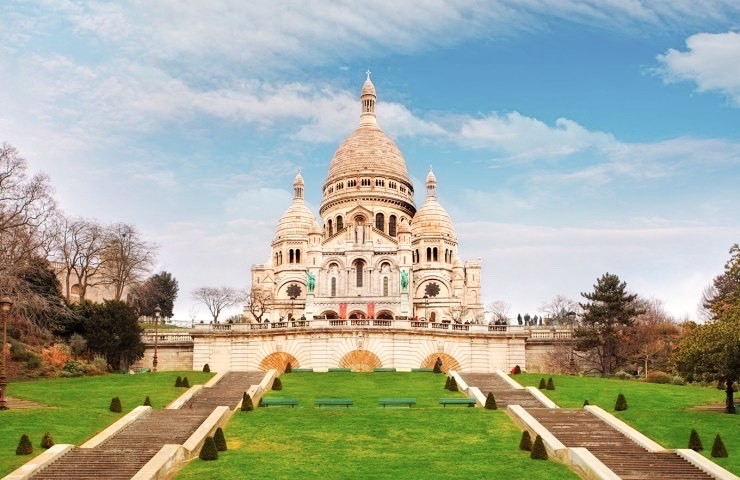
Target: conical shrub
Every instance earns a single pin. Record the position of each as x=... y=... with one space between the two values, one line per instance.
x=24 y=446
x=219 y=440
x=288 y=368
x=47 y=441
x=695 y=441
x=718 y=448
x=206 y=368
x=550 y=384
x=453 y=385
x=185 y=382
x=542 y=385
x=447 y=383
x=517 y=370
x=178 y=382
x=585 y=402
x=115 y=405
x=247 y=405
x=277 y=384
x=539 y=452
x=147 y=401
x=209 y=451
x=490 y=402
x=621 y=404
x=526 y=442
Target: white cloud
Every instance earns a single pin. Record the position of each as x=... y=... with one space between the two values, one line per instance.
x=712 y=62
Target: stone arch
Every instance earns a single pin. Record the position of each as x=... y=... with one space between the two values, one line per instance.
x=384 y=315
x=278 y=361
x=448 y=362
x=360 y=361
x=330 y=314
x=356 y=314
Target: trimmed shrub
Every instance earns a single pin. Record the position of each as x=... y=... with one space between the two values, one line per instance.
x=621 y=404
x=622 y=375
x=115 y=405
x=542 y=384
x=678 y=380
x=447 y=383
x=209 y=451
x=695 y=441
x=147 y=402
x=178 y=382
x=288 y=368
x=526 y=442
x=550 y=384
x=538 y=449
x=277 y=384
x=656 y=376
x=453 y=385
x=219 y=440
x=490 y=402
x=585 y=402
x=185 y=382
x=247 y=405
x=718 y=448
x=206 y=368
x=47 y=441
x=24 y=446
x=517 y=370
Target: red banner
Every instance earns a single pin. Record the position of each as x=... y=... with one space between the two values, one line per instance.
x=370 y=310
x=342 y=310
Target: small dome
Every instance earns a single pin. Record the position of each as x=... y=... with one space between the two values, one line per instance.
x=368 y=88
x=316 y=228
x=404 y=226
x=297 y=221
x=432 y=220
x=298 y=181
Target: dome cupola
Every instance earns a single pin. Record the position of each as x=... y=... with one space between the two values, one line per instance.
x=297 y=221
x=432 y=220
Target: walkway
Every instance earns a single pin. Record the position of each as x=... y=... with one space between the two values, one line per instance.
x=580 y=428
x=124 y=454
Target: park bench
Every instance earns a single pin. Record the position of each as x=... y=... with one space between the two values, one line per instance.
x=397 y=401
x=267 y=401
x=390 y=369
x=302 y=370
x=333 y=402
x=340 y=369
x=457 y=401
x=422 y=369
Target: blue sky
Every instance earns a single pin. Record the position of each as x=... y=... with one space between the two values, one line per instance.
x=568 y=138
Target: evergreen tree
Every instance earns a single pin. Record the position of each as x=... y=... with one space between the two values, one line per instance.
x=206 y=368
x=185 y=382
x=178 y=382
x=219 y=440
x=550 y=384
x=247 y=405
x=695 y=441
x=147 y=402
x=526 y=442
x=288 y=368
x=539 y=452
x=447 y=383
x=621 y=403
x=24 y=446
x=277 y=384
x=47 y=441
x=453 y=385
x=115 y=405
x=490 y=402
x=209 y=451
x=718 y=448
x=585 y=402
x=542 y=385
x=112 y=329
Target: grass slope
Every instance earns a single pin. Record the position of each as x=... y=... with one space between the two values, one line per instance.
x=367 y=441
x=78 y=408
x=662 y=412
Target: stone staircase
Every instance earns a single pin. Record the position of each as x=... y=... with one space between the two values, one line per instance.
x=504 y=393
x=124 y=454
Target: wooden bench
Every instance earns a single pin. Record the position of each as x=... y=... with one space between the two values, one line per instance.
x=333 y=402
x=384 y=369
x=267 y=401
x=397 y=401
x=340 y=369
x=302 y=370
x=422 y=370
x=470 y=402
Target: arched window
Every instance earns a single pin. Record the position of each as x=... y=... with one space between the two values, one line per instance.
x=416 y=258
x=380 y=222
x=298 y=256
x=392 y=225
x=429 y=254
x=340 y=223
x=359 y=266
x=331 y=230
x=276 y=259
x=290 y=256
x=434 y=253
x=385 y=286
x=333 y=286
x=280 y=258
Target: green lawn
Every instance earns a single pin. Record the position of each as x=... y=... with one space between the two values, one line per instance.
x=78 y=407
x=367 y=441
x=662 y=412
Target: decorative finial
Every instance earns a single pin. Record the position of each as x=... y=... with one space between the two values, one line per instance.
x=430 y=167
x=368 y=74
x=299 y=171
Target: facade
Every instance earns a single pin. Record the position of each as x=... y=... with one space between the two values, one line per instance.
x=373 y=254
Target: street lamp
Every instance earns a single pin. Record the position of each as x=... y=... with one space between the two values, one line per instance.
x=426 y=307
x=5 y=304
x=157 y=313
x=572 y=318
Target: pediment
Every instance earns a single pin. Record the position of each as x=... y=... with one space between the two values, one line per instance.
x=357 y=211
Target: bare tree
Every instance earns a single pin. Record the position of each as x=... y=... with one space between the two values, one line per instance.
x=561 y=310
x=127 y=256
x=650 y=341
x=216 y=299
x=457 y=312
x=499 y=311
x=79 y=248
x=257 y=302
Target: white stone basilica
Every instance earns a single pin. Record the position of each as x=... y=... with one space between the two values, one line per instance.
x=374 y=255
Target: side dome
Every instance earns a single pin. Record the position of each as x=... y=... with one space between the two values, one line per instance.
x=432 y=220
x=297 y=221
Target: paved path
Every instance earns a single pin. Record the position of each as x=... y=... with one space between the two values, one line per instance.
x=121 y=456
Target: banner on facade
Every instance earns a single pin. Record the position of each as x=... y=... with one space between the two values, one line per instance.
x=370 y=310
x=342 y=310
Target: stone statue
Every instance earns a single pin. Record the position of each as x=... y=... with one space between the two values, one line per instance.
x=359 y=234
x=404 y=280
x=310 y=281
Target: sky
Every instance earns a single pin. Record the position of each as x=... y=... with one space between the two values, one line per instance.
x=568 y=138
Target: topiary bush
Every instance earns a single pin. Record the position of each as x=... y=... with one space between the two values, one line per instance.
x=47 y=441
x=550 y=384
x=539 y=452
x=277 y=384
x=115 y=405
x=526 y=442
x=718 y=448
x=147 y=402
x=209 y=451
x=695 y=441
x=621 y=404
x=24 y=446
x=447 y=383
x=185 y=382
x=288 y=368
x=490 y=402
x=247 y=405
x=656 y=376
x=453 y=385
x=219 y=440
x=178 y=382
x=206 y=368
x=517 y=370
x=542 y=384
x=585 y=402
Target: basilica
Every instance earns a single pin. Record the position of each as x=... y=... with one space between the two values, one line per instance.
x=373 y=254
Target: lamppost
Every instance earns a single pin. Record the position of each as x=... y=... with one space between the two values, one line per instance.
x=426 y=307
x=5 y=304
x=572 y=318
x=157 y=313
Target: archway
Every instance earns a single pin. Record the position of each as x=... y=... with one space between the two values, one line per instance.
x=448 y=362
x=278 y=361
x=330 y=314
x=360 y=361
x=356 y=314
x=384 y=315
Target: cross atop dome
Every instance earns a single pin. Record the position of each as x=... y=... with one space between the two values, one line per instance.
x=368 y=73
